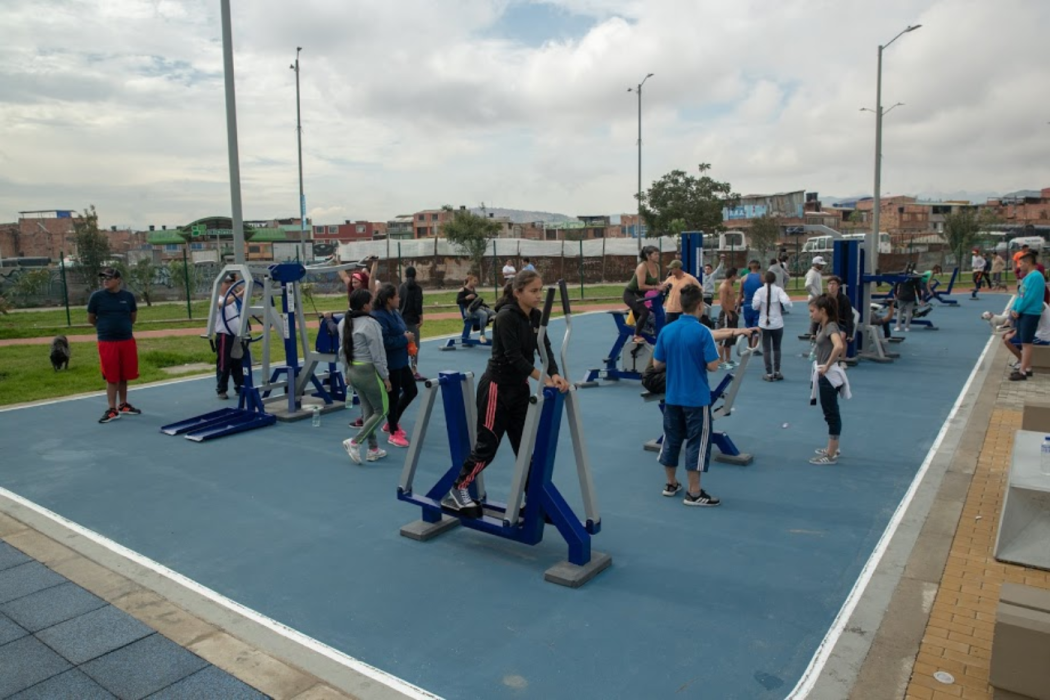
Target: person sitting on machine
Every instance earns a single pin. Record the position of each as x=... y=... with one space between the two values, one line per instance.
x=473 y=306
x=646 y=277
x=503 y=390
x=1012 y=340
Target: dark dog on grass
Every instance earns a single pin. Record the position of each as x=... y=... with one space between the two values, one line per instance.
x=60 y=353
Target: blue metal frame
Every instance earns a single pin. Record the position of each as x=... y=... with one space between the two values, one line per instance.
x=464 y=339
x=719 y=439
x=543 y=501
x=625 y=332
x=942 y=296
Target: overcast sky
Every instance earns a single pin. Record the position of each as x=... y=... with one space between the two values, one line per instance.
x=412 y=104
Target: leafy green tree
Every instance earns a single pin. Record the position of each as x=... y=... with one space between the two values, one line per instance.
x=680 y=199
x=961 y=228
x=92 y=246
x=765 y=233
x=140 y=278
x=30 y=284
x=471 y=232
x=855 y=220
x=179 y=272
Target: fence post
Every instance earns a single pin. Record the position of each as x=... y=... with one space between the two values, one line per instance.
x=495 y=270
x=581 y=268
x=186 y=277
x=65 y=288
x=399 y=275
x=602 y=280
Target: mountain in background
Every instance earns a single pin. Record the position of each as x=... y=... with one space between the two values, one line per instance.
x=522 y=216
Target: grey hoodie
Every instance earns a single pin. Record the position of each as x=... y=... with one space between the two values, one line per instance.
x=368 y=344
x=710 y=281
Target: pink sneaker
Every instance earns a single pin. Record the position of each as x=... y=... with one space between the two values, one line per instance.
x=385 y=428
x=398 y=439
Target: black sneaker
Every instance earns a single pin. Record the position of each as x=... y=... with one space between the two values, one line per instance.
x=671 y=489
x=110 y=415
x=768 y=378
x=126 y=409
x=777 y=376
x=459 y=500
x=704 y=500
x=223 y=395
x=1018 y=376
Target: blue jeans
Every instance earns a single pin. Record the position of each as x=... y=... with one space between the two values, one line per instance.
x=691 y=425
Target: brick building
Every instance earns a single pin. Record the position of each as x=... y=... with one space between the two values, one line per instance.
x=349 y=231
x=51 y=232
x=1023 y=209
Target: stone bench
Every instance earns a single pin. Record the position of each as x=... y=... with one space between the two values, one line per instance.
x=1020 y=664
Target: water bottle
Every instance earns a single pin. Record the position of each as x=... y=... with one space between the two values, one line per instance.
x=1044 y=457
x=316 y=420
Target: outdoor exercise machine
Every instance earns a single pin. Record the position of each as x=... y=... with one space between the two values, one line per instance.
x=469 y=324
x=725 y=392
x=628 y=359
x=271 y=295
x=532 y=481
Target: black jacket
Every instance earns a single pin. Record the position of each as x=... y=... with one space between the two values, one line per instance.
x=845 y=314
x=514 y=345
x=411 y=295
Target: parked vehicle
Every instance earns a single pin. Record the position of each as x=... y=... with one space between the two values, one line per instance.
x=825 y=244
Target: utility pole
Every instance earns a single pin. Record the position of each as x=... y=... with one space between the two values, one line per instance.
x=639 y=91
x=299 y=133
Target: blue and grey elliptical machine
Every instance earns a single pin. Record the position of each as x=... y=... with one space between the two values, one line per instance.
x=533 y=466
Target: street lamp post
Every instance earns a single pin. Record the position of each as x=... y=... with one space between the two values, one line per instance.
x=299 y=134
x=638 y=226
x=231 y=134
x=873 y=258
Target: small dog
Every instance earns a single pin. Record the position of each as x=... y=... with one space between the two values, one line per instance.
x=60 y=353
x=999 y=322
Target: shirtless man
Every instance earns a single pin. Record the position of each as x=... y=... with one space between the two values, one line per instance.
x=729 y=316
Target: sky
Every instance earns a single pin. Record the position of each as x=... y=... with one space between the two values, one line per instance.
x=523 y=104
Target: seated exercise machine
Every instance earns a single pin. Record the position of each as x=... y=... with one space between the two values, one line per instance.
x=272 y=297
x=628 y=359
x=940 y=296
x=725 y=392
x=532 y=482
x=470 y=323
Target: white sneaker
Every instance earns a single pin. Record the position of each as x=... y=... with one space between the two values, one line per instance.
x=353 y=449
x=375 y=454
x=1015 y=365
x=897 y=328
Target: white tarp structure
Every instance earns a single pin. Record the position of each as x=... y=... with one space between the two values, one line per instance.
x=501 y=247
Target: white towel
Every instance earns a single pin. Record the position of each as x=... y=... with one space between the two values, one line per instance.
x=836 y=375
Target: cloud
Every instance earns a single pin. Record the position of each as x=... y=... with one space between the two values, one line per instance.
x=411 y=104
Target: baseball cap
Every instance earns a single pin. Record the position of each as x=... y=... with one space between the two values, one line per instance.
x=818 y=260
x=674 y=265
x=110 y=273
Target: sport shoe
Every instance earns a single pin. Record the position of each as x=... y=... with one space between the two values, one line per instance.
x=730 y=366
x=1015 y=365
x=768 y=378
x=704 y=500
x=110 y=415
x=778 y=376
x=375 y=454
x=352 y=449
x=897 y=329
x=823 y=459
x=419 y=377
x=671 y=489
x=460 y=501
x=386 y=427
x=398 y=439
x=126 y=409
x=1018 y=376
x=824 y=451
x=359 y=423
x=224 y=396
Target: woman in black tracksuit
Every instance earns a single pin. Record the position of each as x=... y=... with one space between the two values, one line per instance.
x=503 y=390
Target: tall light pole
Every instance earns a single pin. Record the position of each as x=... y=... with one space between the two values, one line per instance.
x=877 y=202
x=638 y=226
x=299 y=134
x=231 y=134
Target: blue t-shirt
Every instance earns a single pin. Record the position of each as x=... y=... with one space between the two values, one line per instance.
x=686 y=347
x=1030 y=300
x=112 y=313
x=751 y=284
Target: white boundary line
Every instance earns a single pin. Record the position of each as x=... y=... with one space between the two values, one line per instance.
x=365 y=669
x=827 y=645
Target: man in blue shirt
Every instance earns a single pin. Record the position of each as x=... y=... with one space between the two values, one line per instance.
x=751 y=283
x=687 y=349
x=112 y=311
x=1027 y=309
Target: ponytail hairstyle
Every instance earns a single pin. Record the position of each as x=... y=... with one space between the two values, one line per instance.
x=359 y=299
x=516 y=284
x=646 y=251
x=828 y=305
x=770 y=278
x=383 y=296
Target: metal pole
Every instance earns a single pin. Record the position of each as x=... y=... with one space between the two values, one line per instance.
x=299 y=135
x=231 y=135
x=65 y=287
x=186 y=279
x=640 y=165
x=873 y=249
x=581 y=269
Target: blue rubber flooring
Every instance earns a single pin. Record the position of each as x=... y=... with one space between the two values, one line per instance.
x=729 y=602
x=57 y=640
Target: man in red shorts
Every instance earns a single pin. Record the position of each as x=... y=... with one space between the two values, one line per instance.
x=112 y=311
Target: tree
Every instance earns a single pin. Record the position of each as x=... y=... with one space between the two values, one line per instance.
x=31 y=284
x=765 y=233
x=962 y=226
x=855 y=220
x=179 y=272
x=140 y=278
x=92 y=246
x=695 y=203
x=470 y=232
